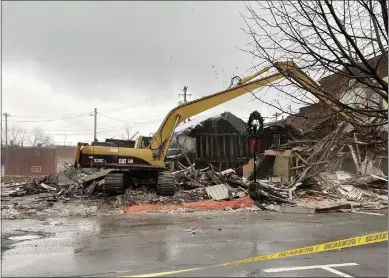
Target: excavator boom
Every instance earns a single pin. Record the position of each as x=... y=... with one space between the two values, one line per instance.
x=162 y=138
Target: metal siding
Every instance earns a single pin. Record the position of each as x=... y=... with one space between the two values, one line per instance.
x=18 y=161
x=218 y=192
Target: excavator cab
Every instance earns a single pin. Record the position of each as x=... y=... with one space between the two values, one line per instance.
x=142 y=142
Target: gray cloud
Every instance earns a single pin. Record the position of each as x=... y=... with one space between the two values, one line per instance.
x=128 y=59
x=98 y=47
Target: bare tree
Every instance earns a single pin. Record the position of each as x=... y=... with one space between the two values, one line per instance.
x=39 y=137
x=342 y=43
x=127 y=130
x=16 y=136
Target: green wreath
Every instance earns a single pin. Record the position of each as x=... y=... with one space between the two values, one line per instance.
x=255 y=131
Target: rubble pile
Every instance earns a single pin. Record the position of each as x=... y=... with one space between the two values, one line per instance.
x=81 y=184
x=326 y=190
x=317 y=175
x=189 y=177
x=64 y=185
x=148 y=195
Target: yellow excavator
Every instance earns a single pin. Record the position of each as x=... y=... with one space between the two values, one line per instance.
x=145 y=164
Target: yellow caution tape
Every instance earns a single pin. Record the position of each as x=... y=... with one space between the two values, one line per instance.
x=334 y=245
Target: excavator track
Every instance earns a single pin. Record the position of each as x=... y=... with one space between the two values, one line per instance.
x=166 y=185
x=114 y=183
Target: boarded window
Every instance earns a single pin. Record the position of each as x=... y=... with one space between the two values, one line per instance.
x=35 y=169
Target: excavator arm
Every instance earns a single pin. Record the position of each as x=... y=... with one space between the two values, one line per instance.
x=291 y=71
x=162 y=138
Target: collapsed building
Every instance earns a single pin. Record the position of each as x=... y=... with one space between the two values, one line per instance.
x=220 y=140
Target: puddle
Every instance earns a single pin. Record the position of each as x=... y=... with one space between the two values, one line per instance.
x=9 y=239
x=25 y=237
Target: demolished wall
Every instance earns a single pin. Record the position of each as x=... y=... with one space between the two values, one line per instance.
x=220 y=139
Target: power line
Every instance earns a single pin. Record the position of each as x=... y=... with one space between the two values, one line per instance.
x=159 y=119
x=152 y=119
x=53 y=120
x=71 y=132
x=112 y=118
x=43 y=116
x=120 y=107
x=107 y=129
x=67 y=130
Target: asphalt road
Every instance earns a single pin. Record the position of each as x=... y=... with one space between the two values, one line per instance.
x=151 y=243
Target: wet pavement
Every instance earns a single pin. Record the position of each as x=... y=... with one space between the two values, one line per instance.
x=131 y=244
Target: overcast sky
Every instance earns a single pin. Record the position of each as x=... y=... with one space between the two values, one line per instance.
x=130 y=60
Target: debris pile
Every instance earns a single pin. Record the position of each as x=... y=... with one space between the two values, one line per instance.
x=189 y=177
x=317 y=177
x=69 y=183
x=82 y=184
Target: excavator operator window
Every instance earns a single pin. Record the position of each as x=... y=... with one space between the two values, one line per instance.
x=146 y=141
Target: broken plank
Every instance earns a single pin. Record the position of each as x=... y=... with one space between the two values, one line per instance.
x=286 y=153
x=301 y=158
x=303 y=166
x=48 y=187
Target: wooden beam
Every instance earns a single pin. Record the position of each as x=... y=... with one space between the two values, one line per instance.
x=212 y=146
x=231 y=147
x=241 y=154
x=218 y=146
x=235 y=140
x=206 y=147
x=286 y=153
x=224 y=146
x=202 y=146
x=197 y=147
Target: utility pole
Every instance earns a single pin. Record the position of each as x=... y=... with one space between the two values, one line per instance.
x=6 y=115
x=95 y=128
x=185 y=94
x=276 y=115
